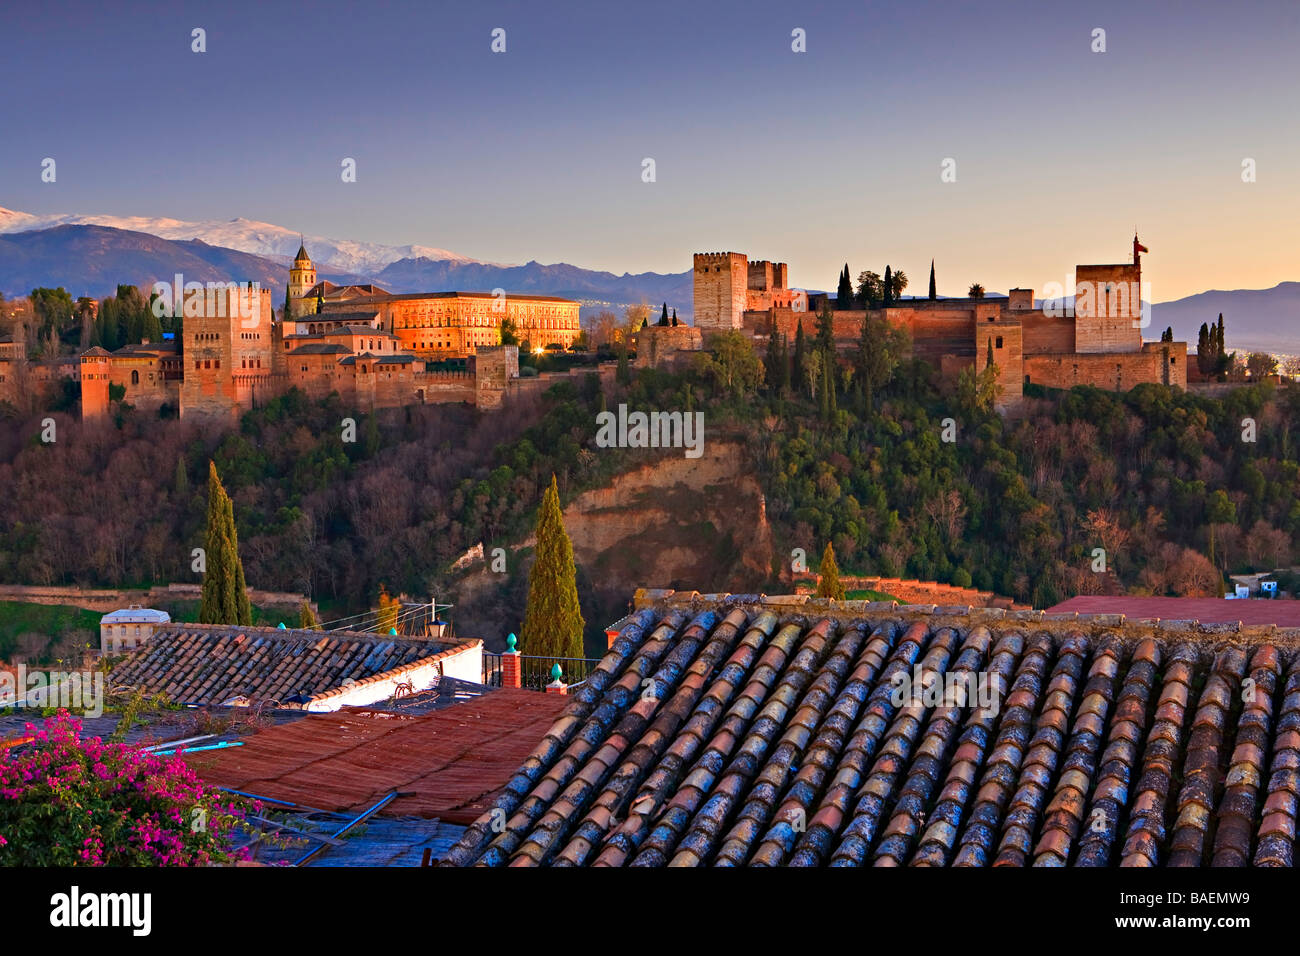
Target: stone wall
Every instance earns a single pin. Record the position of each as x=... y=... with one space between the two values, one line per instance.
x=721 y=285
x=112 y=599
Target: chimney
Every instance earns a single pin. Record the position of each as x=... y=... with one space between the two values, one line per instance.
x=557 y=684
x=510 y=664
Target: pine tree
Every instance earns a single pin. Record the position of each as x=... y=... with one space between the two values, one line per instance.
x=889 y=286
x=553 y=621
x=934 y=292
x=828 y=576
x=224 y=598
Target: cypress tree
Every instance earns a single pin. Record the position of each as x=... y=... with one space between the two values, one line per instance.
x=828 y=576
x=772 y=362
x=182 y=479
x=553 y=621
x=990 y=355
x=889 y=285
x=286 y=301
x=1203 y=349
x=796 y=371
x=320 y=299
x=934 y=292
x=844 y=294
x=224 y=598
x=663 y=317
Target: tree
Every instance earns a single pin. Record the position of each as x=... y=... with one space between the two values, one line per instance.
x=553 y=621
x=870 y=288
x=796 y=367
x=509 y=334
x=389 y=608
x=307 y=618
x=897 y=283
x=320 y=299
x=731 y=362
x=1261 y=365
x=182 y=481
x=224 y=598
x=828 y=576
x=1167 y=335
x=674 y=318
x=976 y=291
x=934 y=292
x=287 y=305
x=826 y=330
x=880 y=348
x=663 y=317
x=888 y=286
x=844 y=295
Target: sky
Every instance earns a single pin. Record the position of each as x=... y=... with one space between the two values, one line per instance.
x=816 y=158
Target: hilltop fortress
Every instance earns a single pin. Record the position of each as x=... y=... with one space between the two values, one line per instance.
x=1097 y=341
x=375 y=348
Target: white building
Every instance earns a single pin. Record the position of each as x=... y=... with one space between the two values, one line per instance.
x=126 y=629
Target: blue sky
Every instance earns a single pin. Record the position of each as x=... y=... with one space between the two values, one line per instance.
x=812 y=158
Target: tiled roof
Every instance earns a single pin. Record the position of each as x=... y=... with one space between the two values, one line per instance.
x=210 y=663
x=448 y=764
x=321 y=348
x=731 y=731
x=1282 y=612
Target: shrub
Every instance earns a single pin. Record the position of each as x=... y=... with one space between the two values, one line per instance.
x=66 y=800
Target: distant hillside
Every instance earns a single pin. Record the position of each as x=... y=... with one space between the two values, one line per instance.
x=593 y=289
x=92 y=260
x=1253 y=319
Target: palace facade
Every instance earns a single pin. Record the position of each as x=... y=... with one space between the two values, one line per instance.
x=374 y=348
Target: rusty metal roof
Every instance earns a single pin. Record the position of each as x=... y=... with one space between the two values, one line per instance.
x=452 y=761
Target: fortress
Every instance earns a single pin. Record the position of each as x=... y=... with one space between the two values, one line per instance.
x=371 y=346
x=1097 y=340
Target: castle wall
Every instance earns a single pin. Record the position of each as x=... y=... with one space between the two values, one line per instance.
x=1157 y=362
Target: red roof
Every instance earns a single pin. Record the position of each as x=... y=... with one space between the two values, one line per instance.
x=454 y=761
x=1283 y=613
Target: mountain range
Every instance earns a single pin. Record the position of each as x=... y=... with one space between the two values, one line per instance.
x=91 y=255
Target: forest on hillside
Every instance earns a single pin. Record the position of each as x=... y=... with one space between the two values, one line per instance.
x=849 y=449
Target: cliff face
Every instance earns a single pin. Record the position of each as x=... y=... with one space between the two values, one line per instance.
x=700 y=522
x=672 y=522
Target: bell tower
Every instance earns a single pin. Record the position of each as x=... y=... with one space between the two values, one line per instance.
x=302 y=276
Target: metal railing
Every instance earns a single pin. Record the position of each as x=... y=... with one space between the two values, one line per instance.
x=536 y=672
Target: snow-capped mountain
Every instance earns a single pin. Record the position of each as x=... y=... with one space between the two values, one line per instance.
x=246 y=235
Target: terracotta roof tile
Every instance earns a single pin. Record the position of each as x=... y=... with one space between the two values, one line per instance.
x=806 y=733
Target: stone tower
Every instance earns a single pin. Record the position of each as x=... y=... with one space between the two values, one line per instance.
x=721 y=284
x=302 y=276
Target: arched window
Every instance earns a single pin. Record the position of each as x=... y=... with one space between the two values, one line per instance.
x=135 y=377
